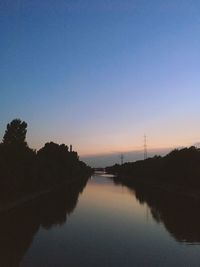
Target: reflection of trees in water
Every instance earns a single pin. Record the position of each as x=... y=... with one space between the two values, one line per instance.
x=17 y=229
x=180 y=215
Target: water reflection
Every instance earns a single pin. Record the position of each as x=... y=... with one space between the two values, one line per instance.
x=18 y=228
x=108 y=228
x=180 y=215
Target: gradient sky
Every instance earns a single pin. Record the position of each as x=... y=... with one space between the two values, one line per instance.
x=100 y=74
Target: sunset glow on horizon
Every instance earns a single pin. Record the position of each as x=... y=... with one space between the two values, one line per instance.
x=101 y=74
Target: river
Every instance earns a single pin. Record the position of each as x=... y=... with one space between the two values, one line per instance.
x=102 y=223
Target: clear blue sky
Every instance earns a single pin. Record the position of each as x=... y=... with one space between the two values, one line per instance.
x=100 y=74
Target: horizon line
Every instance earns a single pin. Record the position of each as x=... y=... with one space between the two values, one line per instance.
x=130 y=151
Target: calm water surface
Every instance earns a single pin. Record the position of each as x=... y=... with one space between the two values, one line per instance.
x=103 y=224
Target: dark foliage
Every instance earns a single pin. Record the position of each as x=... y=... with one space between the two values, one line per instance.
x=15 y=133
x=56 y=163
x=179 y=167
x=23 y=170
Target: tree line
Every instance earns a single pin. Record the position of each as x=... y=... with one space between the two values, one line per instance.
x=24 y=170
x=180 y=167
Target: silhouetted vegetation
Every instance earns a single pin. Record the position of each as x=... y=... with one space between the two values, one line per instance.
x=170 y=186
x=15 y=133
x=24 y=171
x=180 y=169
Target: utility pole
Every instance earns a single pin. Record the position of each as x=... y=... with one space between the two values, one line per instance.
x=145 y=147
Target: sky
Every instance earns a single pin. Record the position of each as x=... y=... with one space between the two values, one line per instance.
x=101 y=74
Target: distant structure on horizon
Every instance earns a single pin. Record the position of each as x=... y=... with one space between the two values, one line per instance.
x=145 y=147
x=122 y=159
x=70 y=148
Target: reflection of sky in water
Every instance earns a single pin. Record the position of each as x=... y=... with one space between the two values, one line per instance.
x=109 y=227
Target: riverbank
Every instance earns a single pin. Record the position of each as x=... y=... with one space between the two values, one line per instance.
x=14 y=204
x=178 y=172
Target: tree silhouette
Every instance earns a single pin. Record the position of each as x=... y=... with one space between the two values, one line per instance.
x=24 y=171
x=15 y=133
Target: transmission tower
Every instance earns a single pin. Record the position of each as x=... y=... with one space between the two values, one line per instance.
x=145 y=147
x=122 y=158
